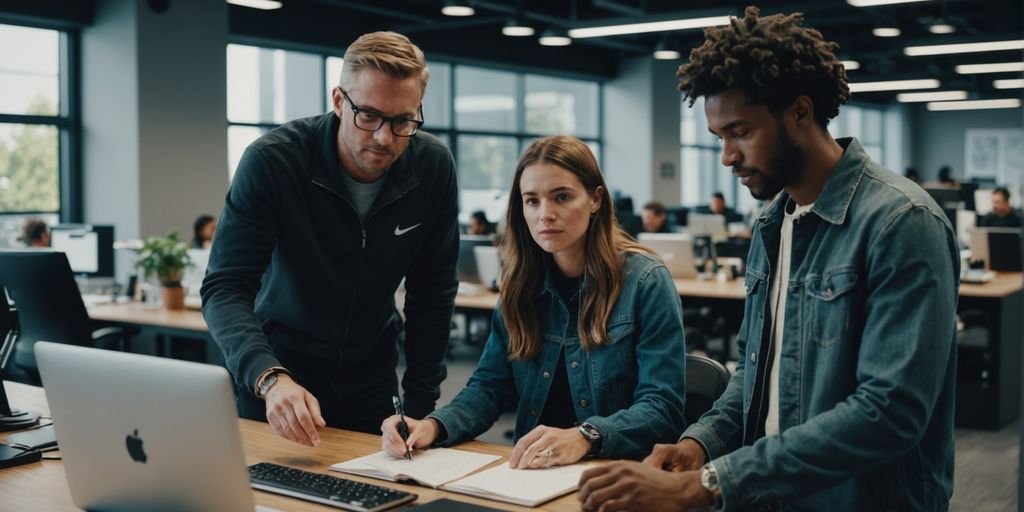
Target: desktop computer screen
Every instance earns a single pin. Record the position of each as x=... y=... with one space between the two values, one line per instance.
x=89 y=247
x=466 y=266
x=706 y=224
x=999 y=248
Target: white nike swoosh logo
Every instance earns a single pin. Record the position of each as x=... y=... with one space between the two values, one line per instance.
x=399 y=231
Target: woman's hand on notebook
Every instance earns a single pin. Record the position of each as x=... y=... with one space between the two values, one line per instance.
x=422 y=434
x=545 y=446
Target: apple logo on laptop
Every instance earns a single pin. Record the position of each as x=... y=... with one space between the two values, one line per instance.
x=134 y=444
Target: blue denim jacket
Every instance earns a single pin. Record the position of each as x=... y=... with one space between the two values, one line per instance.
x=631 y=389
x=868 y=366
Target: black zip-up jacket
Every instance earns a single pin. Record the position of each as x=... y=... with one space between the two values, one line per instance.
x=293 y=265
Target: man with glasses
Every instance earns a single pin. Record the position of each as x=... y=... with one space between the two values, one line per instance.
x=324 y=219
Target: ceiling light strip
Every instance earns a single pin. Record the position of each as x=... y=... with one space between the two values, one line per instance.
x=912 y=97
x=974 y=104
x=895 y=85
x=653 y=26
x=945 y=49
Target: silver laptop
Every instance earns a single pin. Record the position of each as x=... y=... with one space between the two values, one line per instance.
x=675 y=249
x=144 y=433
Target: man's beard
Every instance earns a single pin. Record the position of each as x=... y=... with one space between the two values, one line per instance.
x=787 y=166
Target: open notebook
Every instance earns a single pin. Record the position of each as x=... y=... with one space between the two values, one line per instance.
x=527 y=487
x=432 y=468
x=443 y=468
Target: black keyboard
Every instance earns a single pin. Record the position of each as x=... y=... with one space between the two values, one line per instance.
x=329 y=490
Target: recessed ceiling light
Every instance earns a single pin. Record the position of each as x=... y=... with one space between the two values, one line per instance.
x=667 y=54
x=974 y=104
x=653 y=26
x=850 y=65
x=945 y=49
x=872 y=3
x=941 y=28
x=999 y=67
x=886 y=32
x=554 y=37
x=895 y=85
x=517 y=28
x=912 y=97
x=266 y=5
x=1016 y=83
x=457 y=9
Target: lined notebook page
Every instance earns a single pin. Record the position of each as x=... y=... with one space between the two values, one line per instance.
x=429 y=467
x=529 y=487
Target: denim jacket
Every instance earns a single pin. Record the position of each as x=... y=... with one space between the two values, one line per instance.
x=868 y=367
x=631 y=389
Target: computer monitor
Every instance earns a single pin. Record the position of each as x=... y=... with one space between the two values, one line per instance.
x=90 y=247
x=704 y=224
x=676 y=250
x=946 y=197
x=630 y=222
x=467 y=270
x=999 y=248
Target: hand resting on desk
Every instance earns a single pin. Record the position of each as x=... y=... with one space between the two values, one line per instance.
x=293 y=412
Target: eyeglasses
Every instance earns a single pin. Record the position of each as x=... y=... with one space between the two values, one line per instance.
x=372 y=121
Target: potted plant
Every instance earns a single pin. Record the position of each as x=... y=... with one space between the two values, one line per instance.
x=166 y=257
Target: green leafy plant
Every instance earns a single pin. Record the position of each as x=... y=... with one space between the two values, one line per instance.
x=166 y=257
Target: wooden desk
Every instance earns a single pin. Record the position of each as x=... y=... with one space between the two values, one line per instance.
x=42 y=485
x=135 y=313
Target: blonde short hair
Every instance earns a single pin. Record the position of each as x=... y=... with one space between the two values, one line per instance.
x=388 y=52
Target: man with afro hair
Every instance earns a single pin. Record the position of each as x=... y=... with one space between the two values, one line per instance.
x=843 y=394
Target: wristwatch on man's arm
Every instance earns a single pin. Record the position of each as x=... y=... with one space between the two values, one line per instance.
x=267 y=379
x=709 y=479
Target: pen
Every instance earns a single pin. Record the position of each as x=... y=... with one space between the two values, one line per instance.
x=403 y=427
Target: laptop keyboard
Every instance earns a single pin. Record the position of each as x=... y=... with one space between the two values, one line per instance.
x=326 y=489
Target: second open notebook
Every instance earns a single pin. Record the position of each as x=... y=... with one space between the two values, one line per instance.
x=432 y=468
x=443 y=468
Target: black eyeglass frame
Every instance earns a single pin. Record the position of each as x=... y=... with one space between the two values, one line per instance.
x=391 y=120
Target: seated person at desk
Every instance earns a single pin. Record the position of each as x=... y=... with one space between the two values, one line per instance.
x=655 y=218
x=202 y=231
x=479 y=225
x=35 y=233
x=718 y=207
x=1002 y=215
x=587 y=341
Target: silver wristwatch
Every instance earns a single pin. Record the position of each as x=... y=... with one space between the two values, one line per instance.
x=709 y=478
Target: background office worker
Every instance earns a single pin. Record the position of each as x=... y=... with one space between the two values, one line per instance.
x=654 y=217
x=202 y=231
x=1002 y=215
x=843 y=394
x=589 y=331
x=35 y=233
x=325 y=217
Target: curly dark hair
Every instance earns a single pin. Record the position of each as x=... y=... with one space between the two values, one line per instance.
x=773 y=60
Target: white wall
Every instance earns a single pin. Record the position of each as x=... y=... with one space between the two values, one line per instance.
x=938 y=137
x=641 y=131
x=154 y=117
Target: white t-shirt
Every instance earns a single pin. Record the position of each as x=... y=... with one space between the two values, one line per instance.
x=777 y=294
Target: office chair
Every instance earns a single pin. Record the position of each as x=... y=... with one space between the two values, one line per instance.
x=50 y=308
x=706 y=379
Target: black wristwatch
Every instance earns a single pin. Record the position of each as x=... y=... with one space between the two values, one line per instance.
x=593 y=436
x=268 y=382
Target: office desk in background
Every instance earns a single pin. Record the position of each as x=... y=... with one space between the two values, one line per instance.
x=42 y=485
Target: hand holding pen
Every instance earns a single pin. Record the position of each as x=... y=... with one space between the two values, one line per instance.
x=403 y=427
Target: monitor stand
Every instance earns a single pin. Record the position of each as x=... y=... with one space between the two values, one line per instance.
x=11 y=419
x=14 y=419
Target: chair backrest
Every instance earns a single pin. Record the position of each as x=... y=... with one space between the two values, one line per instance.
x=706 y=379
x=49 y=304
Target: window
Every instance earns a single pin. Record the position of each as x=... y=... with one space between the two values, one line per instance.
x=702 y=171
x=268 y=87
x=35 y=128
x=486 y=116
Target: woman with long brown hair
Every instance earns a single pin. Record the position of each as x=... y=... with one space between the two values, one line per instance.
x=587 y=340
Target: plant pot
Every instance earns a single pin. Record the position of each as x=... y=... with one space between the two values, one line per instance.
x=174 y=297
